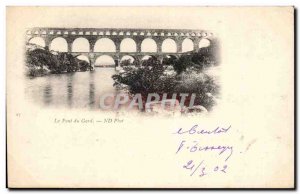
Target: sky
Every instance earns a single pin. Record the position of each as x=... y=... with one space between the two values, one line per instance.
x=124 y=17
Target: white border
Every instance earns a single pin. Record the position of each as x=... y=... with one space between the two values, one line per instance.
x=5 y=3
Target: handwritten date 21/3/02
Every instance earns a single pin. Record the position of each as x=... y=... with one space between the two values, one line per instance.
x=200 y=169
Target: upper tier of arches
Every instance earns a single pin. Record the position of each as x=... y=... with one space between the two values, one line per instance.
x=149 y=45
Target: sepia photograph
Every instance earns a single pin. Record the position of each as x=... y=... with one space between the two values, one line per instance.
x=166 y=71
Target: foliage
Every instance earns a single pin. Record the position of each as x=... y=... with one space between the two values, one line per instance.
x=153 y=76
x=204 y=57
x=169 y=60
x=203 y=85
x=40 y=58
x=144 y=80
x=183 y=63
x=207 y=56
x=126 y=62
x=84 y=66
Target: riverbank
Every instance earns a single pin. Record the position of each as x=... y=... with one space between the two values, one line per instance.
x=41 y=62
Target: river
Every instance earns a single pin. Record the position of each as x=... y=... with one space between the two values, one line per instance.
x=71 y=90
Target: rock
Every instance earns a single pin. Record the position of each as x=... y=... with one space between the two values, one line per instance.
x=164 y=107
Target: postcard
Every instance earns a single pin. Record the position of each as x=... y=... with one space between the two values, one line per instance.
x=150 y=97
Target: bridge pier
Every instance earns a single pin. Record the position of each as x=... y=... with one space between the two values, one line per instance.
x=179 y=46
x=92 y=61
x=196 y=42
x=92 y=42
x=138 y=47
x=47 y=42
x=69 y=46
x=117 y=62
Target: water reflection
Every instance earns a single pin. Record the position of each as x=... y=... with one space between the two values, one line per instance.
x=71 y=90
x=92 y=90
x=47 y=94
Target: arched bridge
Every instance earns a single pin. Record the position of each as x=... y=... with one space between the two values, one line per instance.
x=117 y=43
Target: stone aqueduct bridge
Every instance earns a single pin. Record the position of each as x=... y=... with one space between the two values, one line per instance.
x=117 y=35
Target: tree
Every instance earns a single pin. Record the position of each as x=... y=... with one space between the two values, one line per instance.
x=169 y=60
x=152 y=77
x=126 y=62
x=41 y=61
x=83 y=65
x=183 y=62
x=147 y=78
x=204 y=57
x=208 y=56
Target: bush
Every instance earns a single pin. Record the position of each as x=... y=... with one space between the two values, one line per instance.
x=84 y=66
x=153 y=77
x=40 y=58
x=204 y=57
x=186 y=76
x=36 y=71
x=204 y=86
x=125 y=63
x=41 y=62
x=144 y=79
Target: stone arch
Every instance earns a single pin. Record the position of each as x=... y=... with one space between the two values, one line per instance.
x=39 y=41
x=187 y=45
x=81 y=45
x=83 y=58
x=149 y=45
x=104 y=61
x=128 y=45
x=204 y=42
x=131 y=59
x=59 y=44
x=169 y=46
x=104 y=45
x=146 y=57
